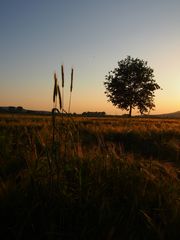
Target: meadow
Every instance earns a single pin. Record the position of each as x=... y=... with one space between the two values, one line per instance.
x=89 y=178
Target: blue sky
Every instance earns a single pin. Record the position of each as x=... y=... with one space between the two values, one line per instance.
x=37 y=36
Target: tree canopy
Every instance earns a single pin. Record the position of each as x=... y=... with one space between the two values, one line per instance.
x=131 y=85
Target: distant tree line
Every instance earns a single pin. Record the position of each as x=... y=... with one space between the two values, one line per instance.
x=93 y=114
x=19 y=109
x=12 y=109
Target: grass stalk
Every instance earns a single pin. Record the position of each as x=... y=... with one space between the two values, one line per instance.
x=71 y=87
x=55 y=91
x=62 y=76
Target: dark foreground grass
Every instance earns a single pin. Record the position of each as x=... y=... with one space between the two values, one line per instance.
x=58 y=191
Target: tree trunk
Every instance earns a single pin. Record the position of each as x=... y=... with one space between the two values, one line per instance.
x=130 y=111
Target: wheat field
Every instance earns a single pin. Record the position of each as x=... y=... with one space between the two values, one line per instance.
x=89 y=178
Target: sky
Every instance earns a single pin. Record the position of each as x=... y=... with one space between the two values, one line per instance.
x=38 y=36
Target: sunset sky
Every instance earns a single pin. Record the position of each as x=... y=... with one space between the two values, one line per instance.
x=37 y=36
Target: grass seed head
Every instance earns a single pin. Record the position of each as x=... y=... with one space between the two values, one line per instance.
x=71 y=87
x=55 y=88
x=59 y=95
x=62 y=74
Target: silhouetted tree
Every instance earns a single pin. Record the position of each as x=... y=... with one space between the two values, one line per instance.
x=131 y=85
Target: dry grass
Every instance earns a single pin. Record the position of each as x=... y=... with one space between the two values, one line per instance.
x=87 y=183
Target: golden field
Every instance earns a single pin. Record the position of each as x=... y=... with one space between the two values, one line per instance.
x=89 y=178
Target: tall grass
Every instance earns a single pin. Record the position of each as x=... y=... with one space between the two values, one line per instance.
x=80 y=178
x=103 y=194
x=71 y=88
x=62 y=79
